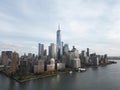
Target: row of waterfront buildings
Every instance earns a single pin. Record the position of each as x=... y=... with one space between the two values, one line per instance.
x=58 y=57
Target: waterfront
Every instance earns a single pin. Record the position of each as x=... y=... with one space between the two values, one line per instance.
x=100 y=78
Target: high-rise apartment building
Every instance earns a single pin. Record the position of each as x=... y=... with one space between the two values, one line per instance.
x=4 y=58
x=39 y=67
x=14 y=61
x=51 y=66
x=9 y=54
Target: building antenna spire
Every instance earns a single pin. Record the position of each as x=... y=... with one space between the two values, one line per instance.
x=59 y=27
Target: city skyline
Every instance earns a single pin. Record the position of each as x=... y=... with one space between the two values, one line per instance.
x=84 y=24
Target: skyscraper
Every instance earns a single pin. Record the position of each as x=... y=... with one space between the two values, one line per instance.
x=59 y=43
x=87 y=52
x=40 y=51
x=53 y=51
x=66 y=49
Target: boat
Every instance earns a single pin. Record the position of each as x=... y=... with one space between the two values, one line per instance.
x=80 y=69
x=70 y=72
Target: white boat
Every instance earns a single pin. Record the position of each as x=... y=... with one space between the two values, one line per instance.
x=70 y=72
x=80 y=69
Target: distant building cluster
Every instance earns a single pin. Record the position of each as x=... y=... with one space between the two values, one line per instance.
x=92 y=59
x=57 y=57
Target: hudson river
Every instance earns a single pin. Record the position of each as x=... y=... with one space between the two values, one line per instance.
x=101 y=78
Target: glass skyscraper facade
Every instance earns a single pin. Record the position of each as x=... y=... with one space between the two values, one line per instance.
x=59 y=43
x=40 y=51
x=58 y=39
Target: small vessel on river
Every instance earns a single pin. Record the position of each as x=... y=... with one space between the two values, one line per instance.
x=80 y=69
x=70 y=72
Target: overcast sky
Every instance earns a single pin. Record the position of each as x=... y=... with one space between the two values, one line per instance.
x=84 y=23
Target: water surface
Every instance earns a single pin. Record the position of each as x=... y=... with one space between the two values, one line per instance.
x=101 y=78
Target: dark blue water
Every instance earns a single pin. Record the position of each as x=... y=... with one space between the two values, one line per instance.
x=101 y=78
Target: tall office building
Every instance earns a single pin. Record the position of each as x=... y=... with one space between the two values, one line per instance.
x=66 y=49
x=53 y=51
x=87 y=52
x=59 y=43
x=40 y=51
x=82 y=57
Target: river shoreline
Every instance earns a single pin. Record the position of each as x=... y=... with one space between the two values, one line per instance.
x=35 y=77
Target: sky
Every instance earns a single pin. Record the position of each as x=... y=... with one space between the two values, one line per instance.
x=84 y=23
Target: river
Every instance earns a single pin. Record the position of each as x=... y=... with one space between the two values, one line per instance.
x=100 y=78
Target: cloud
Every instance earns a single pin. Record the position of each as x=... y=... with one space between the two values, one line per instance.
x=84 y=23
x=4 y=16
x=114 y=33
x=20 y=48
x=81 y=9
x=114 y=30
